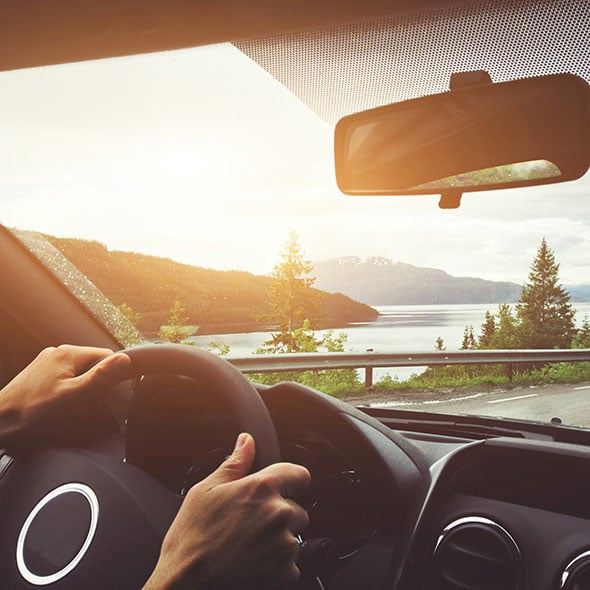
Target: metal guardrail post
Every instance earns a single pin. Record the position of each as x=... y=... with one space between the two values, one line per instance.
x=368 y=377
x=509 y=370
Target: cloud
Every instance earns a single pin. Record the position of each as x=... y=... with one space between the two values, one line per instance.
x=162 y=154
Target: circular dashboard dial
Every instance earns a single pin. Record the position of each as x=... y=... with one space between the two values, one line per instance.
x=341 y=511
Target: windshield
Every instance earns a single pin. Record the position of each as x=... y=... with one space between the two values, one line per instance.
x=180 y=182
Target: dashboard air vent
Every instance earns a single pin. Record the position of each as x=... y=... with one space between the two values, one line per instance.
x=475 y=553
x=576 y=575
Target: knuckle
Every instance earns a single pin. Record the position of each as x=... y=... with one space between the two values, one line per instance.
x=48 y=352
x=64 y=348
x=292 y=547
x=62 y=352
x=97 y=379
x=293 y=574
x=303 y=519
x=192 y=497
x=290 y=574
x=262 y=487
x=100 y=373
x=233 y=466
x=282 y=515
x=304 y=473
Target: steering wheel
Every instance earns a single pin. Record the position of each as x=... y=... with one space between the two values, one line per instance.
x=78 y=518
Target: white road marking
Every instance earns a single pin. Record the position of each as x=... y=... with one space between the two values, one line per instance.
x=583 y=387
x=509 y=399
x=425 y=402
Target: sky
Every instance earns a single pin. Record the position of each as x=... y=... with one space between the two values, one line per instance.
x=201 y=156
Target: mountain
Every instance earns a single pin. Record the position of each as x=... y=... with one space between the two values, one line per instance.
x=381 y=281
x=216 y=301
x=578 y=292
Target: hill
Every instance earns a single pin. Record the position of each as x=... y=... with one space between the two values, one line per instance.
x=578 y=292
x=381 y=281
x=216 y=301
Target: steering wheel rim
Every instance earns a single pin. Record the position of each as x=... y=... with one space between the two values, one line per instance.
x=239 y=395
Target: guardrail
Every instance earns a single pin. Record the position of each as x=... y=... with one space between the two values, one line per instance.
x=368 y=361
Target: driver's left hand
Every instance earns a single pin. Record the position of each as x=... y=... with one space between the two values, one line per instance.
x=56 y=395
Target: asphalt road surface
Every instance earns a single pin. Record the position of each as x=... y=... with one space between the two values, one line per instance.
x=570 y=403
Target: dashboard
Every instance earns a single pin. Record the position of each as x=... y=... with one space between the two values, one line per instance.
x=401 y=509
x=505 y=513
x=396 y=502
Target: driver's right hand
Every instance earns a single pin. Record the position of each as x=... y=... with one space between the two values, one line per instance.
x=236 y=530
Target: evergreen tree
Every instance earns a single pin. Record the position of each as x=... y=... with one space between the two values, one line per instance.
x=544 y=309
x=439 y=344
x=468 y=339
x=582 y=337
x=506 y=331
x=487 y=331
x=291 y=299
x=176 y=330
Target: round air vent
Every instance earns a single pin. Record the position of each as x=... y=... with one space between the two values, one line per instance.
x=476 y=553
x=576 y=575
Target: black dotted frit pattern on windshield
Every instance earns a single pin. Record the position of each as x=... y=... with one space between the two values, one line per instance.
x=354 y=67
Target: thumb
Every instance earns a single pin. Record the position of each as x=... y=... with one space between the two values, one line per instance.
x=236 y=466
x=105 y=374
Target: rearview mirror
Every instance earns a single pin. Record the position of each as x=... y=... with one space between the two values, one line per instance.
x=491 y=136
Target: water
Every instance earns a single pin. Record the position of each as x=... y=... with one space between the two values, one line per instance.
x=399 y=328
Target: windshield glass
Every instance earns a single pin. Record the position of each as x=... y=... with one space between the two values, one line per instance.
x=180 y=182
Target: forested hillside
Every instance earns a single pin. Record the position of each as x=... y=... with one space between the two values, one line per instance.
x=216 y=301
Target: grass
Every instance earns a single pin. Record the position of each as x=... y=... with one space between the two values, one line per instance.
x=346 y=384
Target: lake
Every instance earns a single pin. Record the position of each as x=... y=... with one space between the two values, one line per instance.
x=399 y=328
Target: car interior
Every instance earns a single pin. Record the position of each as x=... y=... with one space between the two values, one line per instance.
x=405 y=500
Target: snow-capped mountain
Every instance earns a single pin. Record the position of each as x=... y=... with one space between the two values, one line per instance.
x=381 y=281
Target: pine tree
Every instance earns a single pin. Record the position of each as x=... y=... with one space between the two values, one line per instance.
x=582 y=337
x=290 y=297
x=468 y=339
x=487 y=331
x=544 y=309
x=507 y=330
x=176 y=329
x=291 y=302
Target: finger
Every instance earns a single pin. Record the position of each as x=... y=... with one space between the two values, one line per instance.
x=105 y=374
x=290 y=480
x=288 y=571
x=236 y=466
x=83 y=357
x=299 y=519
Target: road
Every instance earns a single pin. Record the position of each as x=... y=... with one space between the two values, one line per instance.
x=570 y=403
